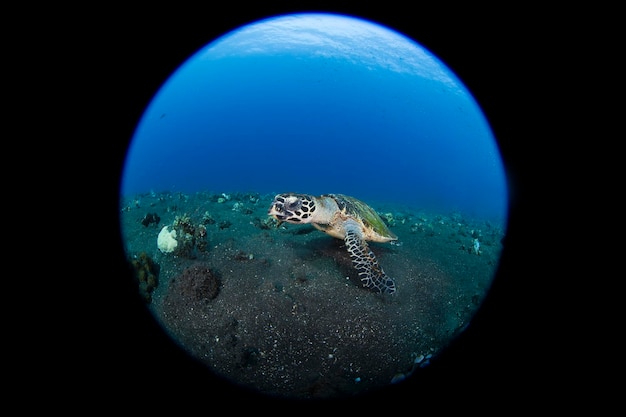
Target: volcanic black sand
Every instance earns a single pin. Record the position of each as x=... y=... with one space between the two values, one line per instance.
x=278 y=307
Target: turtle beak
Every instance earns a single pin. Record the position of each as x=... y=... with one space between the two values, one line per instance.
x=275 y=211
x=277 y=216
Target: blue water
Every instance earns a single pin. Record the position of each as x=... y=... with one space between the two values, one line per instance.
x=319 y=104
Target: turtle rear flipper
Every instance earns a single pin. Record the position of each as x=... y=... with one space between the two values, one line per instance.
x=364 y=261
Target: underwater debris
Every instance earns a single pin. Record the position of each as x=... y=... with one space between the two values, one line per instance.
x=388 y=218
x=207 y=218
x=225 y=224
x=239 y=207
x=243 y=256
x=265 y=224
x=201 y=238
x=476 y=247
x=146 y=272
x=150 y=218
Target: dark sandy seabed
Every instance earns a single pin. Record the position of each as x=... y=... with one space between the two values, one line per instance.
x=279 y=309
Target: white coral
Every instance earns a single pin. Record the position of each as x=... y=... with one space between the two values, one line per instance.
x=166 y=242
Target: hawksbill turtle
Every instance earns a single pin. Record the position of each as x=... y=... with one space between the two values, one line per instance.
x=346 y=218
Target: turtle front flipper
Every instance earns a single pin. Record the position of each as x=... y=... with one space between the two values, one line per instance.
x=364 y=261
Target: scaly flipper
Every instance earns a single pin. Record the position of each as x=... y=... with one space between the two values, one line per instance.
x=364 y=261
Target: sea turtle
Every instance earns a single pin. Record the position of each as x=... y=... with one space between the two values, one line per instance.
x=345 y=218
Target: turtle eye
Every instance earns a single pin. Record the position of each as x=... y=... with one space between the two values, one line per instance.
x=294 y=205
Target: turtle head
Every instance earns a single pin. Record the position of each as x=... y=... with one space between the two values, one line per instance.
x=292 y=208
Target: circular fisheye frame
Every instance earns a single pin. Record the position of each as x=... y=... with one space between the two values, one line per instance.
x=313 y=207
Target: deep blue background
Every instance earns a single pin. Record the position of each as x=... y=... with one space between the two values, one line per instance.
x=317 y=105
